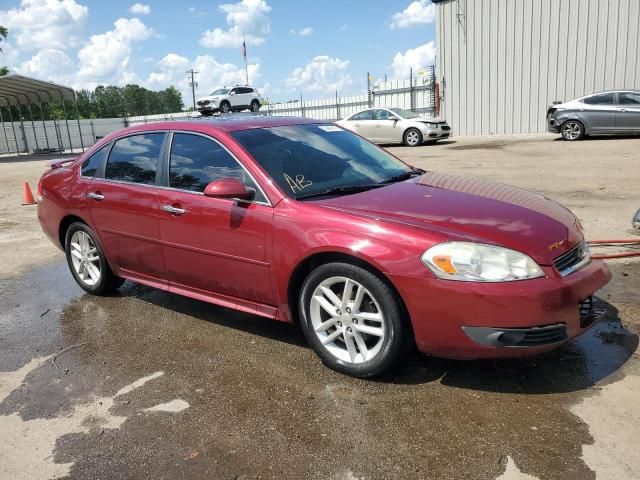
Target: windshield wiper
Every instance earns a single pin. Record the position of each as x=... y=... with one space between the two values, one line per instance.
x=346 y=189
x=403 y=176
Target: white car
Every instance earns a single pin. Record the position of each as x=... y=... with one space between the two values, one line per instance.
x=394 y=125
x=230 y=99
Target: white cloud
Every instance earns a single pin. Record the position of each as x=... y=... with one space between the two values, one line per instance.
x=303 y=32
x=323 y=73
x=246 y=19
x=50 y=64
x=419 y=12
x=107 y=56
x=140 y=9
x=415 y=58
x=37 y=24
x=212 y=74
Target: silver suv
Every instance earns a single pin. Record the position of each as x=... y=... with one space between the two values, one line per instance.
x=230 y=99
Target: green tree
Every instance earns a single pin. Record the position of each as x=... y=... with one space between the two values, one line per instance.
x=3 y=71
x=3 y=34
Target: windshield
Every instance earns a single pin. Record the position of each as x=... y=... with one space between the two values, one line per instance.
x=404 y=113
x=220 y=91
x=309 y=159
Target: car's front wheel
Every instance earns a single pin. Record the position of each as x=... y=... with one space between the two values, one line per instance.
x=225 y=107
x=412 y=137
x=353 y=320
x=572 y=130
x=255 y=106
x=87 y=262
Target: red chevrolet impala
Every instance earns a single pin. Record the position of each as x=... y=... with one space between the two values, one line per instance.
x=298 y=220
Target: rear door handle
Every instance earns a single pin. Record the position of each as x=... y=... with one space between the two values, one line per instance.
x=97 y=196
x=174 y=210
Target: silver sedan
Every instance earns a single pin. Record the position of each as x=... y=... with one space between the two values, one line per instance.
x=607 y=113
x=394 y=125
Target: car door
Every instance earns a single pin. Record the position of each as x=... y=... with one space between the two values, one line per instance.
x=123 y=205
x=628 y=114
x=235 y=97
x=386 y=129
x=363 y=124
x=213 y=245
x=600 y=112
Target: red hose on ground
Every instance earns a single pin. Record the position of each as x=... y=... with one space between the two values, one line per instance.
x=629 y=242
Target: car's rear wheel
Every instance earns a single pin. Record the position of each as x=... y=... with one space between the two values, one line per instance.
x=225 y=107
x=255 y=106
x=572 y=130
x=413 y=137
x=353 y=320
x=87 y=262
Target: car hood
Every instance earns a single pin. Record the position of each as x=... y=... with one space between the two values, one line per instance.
x=465 y=208
x=429 y=120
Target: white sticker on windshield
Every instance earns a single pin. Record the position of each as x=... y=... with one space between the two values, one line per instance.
x=330 y=128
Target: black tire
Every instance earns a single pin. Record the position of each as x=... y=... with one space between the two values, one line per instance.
x=255 y=106
x=398 y=340
x=412 y=137
x=572 y=130
x=225 y=107
x=108 y=282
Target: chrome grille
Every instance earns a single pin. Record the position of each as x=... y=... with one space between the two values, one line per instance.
x=572 y=260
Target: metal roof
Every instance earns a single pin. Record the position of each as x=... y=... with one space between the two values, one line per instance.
x=20 y=90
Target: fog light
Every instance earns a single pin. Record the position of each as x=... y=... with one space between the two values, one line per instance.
x=636 y=220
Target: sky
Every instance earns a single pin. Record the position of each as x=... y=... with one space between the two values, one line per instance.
x=294 y=47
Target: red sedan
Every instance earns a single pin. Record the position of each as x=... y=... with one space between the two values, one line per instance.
x=302 y=221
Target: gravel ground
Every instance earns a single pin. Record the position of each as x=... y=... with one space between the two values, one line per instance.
x=146 y=384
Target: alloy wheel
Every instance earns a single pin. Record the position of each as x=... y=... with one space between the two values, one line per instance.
x=85 y=258
x=413 y=138
x=347 y=320
x=571 y=130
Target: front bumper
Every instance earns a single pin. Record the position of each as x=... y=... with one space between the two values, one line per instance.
x=437 y=133
x=441 y=310
x=553 y=125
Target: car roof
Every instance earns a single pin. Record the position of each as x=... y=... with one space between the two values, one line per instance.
x=619 y=90
x=225 y=123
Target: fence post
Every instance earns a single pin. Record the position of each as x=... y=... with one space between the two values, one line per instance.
x=4 y=132
x=411 y=100
x=33 y=127
x=44 y=127
x=93 y=131
x=15 y=137
x=301 y=106
x=369 y=90
x=337 y=106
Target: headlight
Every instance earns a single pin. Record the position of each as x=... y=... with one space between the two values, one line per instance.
x=476 y=262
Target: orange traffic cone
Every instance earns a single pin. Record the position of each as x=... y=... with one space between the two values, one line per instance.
x=27 y=196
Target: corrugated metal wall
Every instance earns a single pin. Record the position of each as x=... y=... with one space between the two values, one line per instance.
x=501 y=63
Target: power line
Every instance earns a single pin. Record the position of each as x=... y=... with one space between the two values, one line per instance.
x=193 y=84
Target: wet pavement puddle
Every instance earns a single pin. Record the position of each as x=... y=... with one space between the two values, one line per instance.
x=204 y=392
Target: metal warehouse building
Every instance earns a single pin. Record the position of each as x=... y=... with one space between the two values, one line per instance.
x=501 y=63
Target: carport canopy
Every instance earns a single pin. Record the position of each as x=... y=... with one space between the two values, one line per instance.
x=16 y=90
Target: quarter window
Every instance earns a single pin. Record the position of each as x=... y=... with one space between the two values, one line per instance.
x=601 y=99
x=91 y=165
x=197 y=161
x=135 y=159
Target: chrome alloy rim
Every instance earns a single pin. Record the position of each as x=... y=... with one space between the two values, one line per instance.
x=347 y=320
x=413 y=138
x=225 y=108
x=571 y=130
x=85 y=259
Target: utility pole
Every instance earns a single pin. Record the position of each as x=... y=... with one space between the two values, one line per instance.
x=193 y=84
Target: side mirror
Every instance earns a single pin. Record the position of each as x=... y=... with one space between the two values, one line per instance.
x=228 y=188
x=232 y=93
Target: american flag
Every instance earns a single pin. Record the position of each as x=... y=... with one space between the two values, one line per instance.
x=244 y=49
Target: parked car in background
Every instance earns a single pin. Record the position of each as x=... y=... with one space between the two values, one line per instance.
x=302 y=221
x=395 y=125
x=606 y=113
x=233 y=99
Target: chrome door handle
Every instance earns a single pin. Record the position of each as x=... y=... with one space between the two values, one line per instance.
x=95 y=196
x=357 y=124
x=174 y=210
x=622 y=110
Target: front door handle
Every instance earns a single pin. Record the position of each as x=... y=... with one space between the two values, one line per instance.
x=622 y=110
x=357 y=125
x=97 y=196
x=174 y=210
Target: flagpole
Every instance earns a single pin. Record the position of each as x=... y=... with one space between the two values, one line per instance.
x=244 y=53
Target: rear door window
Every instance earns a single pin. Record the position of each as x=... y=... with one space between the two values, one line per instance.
x=629 y=98
x=197 y=161
x=366 y=115
x=600 y=99
x=91 y=166
x=135 y=158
